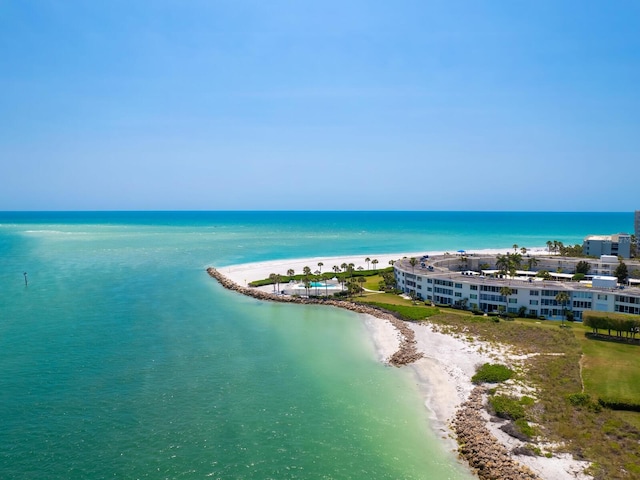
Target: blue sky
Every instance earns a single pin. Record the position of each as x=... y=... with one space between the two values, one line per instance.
x=410 y=105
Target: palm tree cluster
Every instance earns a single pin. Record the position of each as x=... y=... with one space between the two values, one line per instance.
x=565 y=250
x=352 y=284
x=508 y=263
x=276 y=278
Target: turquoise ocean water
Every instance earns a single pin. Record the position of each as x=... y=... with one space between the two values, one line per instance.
x=123 y=359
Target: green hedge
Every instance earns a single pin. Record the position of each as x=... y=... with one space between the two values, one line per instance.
x=619 y=322
x=616 y=404
x=325 y=275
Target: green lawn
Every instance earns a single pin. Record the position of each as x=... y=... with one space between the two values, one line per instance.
x=390 y=298
x=373 y=283
x=611 y=370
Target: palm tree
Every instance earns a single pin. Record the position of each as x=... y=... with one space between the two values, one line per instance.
x=544 y=274
x=503 y=263
x=523 y=250
x=272 y=277
x=463 y=262
x=532 y=262
x=549 y=245
x=320 y=265
x=336 y=268
x=374 y=262
x=307 y=284
x=277 y=279
x=562 y=298
x=515 y=261
x=391 y=262
x=515 y=248
x=361 y=281
x=352 y=287
x=306 y=271
x=291 y=272
x=367 y=260
x=344 y=267
x=412 y=262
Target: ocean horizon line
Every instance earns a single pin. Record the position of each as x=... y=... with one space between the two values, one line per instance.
x=304 y=211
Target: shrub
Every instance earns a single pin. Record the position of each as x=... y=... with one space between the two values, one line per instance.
x=579 y=399
x=524 y=450
x=514 y=431
x=520 y=429
x=492 y=373
x=527 y=401
x=526 y=429
x=506 y=407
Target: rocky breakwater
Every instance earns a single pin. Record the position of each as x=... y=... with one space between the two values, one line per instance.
x=485 y=454
x=406 y=354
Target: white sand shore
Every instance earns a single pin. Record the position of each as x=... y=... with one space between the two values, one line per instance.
x=244 y=273
x=444 y=374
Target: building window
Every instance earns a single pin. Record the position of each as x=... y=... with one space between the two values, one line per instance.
x=533 y=302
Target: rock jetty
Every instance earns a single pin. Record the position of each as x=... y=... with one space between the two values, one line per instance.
x=406 y=354
x=485 y=454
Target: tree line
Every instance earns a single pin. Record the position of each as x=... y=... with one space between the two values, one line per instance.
x=623 y=324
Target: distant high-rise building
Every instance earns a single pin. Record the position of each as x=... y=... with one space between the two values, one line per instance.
x=638 y=229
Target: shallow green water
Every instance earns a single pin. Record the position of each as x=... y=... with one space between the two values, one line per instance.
x=123 y=359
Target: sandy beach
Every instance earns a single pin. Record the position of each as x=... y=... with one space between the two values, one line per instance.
x=242 y=274
x=443 y=374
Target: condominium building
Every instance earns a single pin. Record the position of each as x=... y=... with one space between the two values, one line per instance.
x=438 y=283
x=618 y=244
